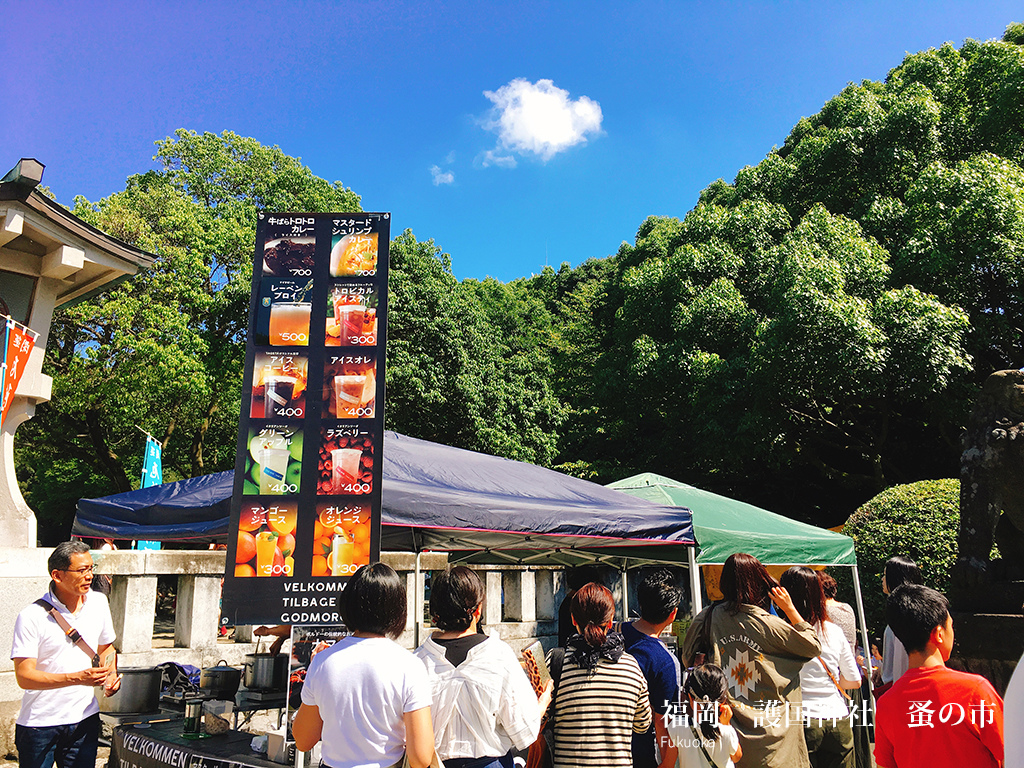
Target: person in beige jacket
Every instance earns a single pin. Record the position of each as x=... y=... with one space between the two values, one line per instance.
x=762 y=656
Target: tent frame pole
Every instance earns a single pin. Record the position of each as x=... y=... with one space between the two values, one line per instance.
x=696 y=605
x=865 y=640
x=625 y=592
x=418 y=601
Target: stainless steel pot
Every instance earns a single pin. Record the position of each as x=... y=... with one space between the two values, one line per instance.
x=139 y=692
x=220 y=682
x=266 y=671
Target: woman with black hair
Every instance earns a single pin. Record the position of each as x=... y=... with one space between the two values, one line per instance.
x=602 y=698
x=898 y=571
x=366 y=697
x=761 y=655
x=824 y=681
x=483 y=703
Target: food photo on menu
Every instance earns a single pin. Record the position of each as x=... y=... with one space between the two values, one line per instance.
x=273 y=464
x=350 y=386
x=289 y=257
x=279 y=385
x=341 y=538
x=351 y=315
x=266 y=539
x=345 y=461
x=354 y=255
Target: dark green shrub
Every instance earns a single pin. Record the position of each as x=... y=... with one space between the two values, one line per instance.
x=919 y=521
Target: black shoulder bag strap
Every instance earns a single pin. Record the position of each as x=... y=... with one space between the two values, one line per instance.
x=555 y=667
x=73 y=634
x=700 y=743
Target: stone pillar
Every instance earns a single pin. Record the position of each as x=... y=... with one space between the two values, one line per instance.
x=17 y=518
x=197 y=611
x=520 y=595
x=545 y=589
x=492 y=599
x=133 y=607
x=410 y=600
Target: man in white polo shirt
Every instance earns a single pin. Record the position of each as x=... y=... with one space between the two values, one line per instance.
x=59 y=718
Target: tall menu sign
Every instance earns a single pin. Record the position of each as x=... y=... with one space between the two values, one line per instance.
x=305 y=512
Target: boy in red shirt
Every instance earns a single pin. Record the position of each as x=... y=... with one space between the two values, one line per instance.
x=934 y=716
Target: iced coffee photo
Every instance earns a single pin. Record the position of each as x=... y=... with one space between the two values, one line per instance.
x=279 y=386
x=345 y=461
x=350 y=386
x=274 y=461
x=354 y=255
x=351 y=315
x=341 y=540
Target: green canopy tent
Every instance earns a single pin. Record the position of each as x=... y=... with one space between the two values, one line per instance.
x=723 y=526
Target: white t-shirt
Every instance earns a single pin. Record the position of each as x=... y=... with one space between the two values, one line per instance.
x=37 y=636
x=894 y=658
x=483 y=707
x=821 y=698
x=690 y=755
x=1013 y=716
x=363 y=687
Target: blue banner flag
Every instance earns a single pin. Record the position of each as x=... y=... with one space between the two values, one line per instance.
x=152 y=467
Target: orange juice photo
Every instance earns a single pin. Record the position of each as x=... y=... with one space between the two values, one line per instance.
x=266 y=547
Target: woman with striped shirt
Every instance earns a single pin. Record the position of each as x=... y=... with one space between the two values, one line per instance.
x=602 y=694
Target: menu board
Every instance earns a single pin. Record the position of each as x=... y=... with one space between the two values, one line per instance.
x=305 y=512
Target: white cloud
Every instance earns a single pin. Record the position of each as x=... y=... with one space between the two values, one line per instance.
x=538 y=118
x=441 y=177
x=493 y=157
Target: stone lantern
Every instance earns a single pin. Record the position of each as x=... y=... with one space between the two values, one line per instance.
x=48 y=259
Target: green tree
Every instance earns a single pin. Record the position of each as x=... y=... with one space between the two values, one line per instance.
x=919 y=521
x=164 y=350
x=468 y=363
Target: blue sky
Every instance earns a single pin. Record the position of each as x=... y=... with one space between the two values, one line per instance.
x=599 y=114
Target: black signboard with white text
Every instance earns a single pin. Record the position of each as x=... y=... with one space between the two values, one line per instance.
x=305 y=511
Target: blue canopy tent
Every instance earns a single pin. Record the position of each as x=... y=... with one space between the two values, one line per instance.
x=476 y=507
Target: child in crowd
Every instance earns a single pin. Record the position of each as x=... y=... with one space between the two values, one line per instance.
x=701 y=731
x=934 y=716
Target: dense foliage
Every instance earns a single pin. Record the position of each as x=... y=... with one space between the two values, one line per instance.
x=815 y=331
x=919 y=521
x=805 y=337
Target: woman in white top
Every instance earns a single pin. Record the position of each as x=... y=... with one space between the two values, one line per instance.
x=898 y=571
x=483 y=705
x=824 y=681
x=366 y=697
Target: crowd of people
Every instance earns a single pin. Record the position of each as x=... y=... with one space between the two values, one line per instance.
x=770 y=676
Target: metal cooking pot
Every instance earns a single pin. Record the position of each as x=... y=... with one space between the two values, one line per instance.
x=139 y=692
x=220 y=682
x=266 y=671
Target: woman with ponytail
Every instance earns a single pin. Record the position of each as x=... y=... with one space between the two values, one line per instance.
x=482 y=702
x=602 y=694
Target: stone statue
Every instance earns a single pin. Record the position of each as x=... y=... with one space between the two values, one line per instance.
x=992 y=484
